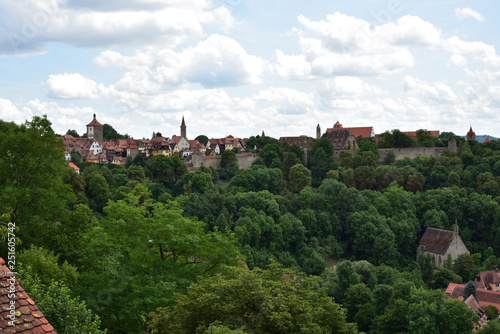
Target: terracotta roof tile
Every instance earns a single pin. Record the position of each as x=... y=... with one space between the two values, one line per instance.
x=485 y=278
x=484 y=297
x=364 y=131
x=175 y=139
x=28 y=319
x=47 y=327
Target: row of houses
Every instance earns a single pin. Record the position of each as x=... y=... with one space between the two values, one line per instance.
x=94 y=148
x=487 y=293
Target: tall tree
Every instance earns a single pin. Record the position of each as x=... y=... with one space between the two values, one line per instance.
x=73 y=133
x=32 y=191
x=470 y=289
x=202 y=139
x=229 y=162
x=144 y=253
x=110 y=133
x=256 y=301
x=300 y=177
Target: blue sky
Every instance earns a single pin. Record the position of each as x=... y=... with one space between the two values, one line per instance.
x=239 y=67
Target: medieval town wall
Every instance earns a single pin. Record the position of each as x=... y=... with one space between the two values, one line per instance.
x=401 y=153
x=245 y=160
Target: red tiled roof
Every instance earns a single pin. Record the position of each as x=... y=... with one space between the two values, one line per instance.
x=436 y=240
x=94 y=122
x=472 y=303
x=471 y=134
x=487 y=140
x=158 y=139
x=194 y=143
x=183 y=123
x=132 y=144
x=28 y=318
x=175 y=139
x=75 y=167
x=339 y=138
x=216 y=141
x=484 y=278
x=365 y=132
x=299 y=140
x=484 y=297
x=68 y=138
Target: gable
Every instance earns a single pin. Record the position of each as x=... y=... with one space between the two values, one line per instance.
x=436 y=240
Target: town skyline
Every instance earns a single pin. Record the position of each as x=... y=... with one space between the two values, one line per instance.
x=323 y=130
x=243 y=67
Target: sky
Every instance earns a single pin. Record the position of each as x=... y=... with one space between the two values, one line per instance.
x=241 y=67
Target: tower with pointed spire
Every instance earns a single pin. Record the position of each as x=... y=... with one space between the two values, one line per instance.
x=318 y=132
x=183 y=128
x=471 y=135
x=95 y=130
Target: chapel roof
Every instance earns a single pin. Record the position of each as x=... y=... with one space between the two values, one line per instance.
x=436 y=240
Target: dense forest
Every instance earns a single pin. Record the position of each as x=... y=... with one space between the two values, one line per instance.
x=151 y=248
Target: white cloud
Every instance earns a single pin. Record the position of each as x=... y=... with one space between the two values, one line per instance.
x=72 y=86
x=458 y=60
x=286 y=100
x=218 y=61
x=345 y=45
x=479 y=51
x=10 y=113
x=291 y=67
x=464 y=13
x=345 y=86
x=438 y=92
x=408 y=30
x=30 y=25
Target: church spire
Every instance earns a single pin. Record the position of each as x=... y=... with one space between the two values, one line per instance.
x=183 y=128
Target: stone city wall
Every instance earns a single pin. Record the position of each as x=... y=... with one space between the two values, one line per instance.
x=401 y=153
x=245 y=160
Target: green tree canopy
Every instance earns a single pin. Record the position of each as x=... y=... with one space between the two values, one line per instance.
x=32 y=191
x=229 y=162
x=73 y=133
x=110 y=133
x=300 y=177
x=202 y=139
x=254 y=301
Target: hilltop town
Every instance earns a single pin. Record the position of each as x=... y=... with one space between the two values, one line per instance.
x=93 y=147
x=386 y=220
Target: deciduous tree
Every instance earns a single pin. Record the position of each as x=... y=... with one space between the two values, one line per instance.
x=257 y=301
